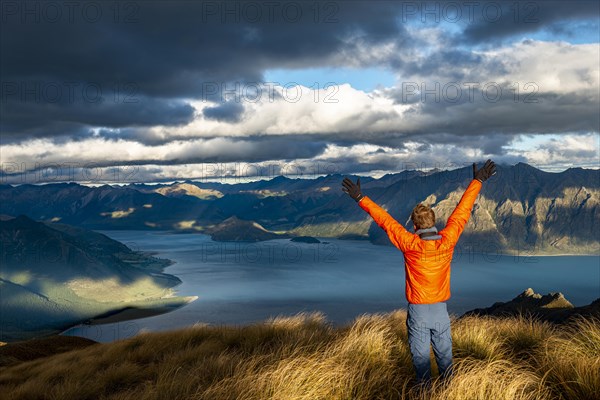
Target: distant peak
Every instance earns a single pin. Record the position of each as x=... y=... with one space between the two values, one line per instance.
x=281 y=178
x=23 y=221
x=24 y=218
x=529 y=292
x=524 y=165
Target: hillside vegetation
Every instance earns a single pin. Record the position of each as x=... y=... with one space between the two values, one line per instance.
x=304 y=357
x=54 y=276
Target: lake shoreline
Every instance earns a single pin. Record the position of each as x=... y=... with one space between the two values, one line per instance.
x=267 y=271
x=504 y=253
x=133 y=311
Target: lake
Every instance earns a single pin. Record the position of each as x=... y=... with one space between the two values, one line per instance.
x=240 y=283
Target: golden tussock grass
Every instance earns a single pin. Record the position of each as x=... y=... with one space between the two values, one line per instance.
x=305 y=358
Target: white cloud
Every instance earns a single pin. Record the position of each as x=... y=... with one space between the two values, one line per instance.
x=377 y=124
x=553 y=67
x=558 y=152
x=104 y=151
x=558 y=67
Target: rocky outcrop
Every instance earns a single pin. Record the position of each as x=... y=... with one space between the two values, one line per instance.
x=553 y=307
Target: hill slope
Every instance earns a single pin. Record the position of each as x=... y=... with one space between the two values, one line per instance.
x=55 y=275
x=303 y=357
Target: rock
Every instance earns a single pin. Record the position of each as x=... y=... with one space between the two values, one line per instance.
x=555 y=300
x=529 y=293
x=305 y=239
x=551 y=300
x=553 y=307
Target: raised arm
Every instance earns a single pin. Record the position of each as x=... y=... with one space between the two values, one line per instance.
x=461 y=214
x=398 y=235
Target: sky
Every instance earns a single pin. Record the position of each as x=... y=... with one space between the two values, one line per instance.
x=154 y=91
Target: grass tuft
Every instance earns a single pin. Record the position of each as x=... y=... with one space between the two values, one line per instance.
x=303 y=357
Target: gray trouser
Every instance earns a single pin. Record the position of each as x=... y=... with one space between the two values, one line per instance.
x=429 y=323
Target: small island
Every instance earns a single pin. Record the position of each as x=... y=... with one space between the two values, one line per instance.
x=305 y=239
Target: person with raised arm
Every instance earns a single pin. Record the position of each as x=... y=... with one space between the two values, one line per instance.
x=427 y=257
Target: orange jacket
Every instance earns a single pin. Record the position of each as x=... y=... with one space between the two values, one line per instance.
x=426 y=262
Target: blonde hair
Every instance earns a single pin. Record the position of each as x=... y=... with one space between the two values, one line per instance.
x=423 y=216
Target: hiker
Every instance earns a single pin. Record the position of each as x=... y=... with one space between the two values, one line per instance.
x=427 y=256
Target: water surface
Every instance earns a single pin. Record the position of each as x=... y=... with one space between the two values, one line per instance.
x=240 y=283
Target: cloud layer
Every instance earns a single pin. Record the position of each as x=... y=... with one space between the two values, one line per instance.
x=170 y=86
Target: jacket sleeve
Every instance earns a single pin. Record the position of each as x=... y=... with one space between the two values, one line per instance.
x=398 y=235
x=461 y=214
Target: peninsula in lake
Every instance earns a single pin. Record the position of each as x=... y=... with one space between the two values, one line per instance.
x=55 y=275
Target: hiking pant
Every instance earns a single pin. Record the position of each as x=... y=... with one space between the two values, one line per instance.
x=429 y=323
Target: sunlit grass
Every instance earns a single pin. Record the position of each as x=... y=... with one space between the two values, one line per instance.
x=304 y=357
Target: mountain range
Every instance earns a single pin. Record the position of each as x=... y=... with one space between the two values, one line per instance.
x=519 y=210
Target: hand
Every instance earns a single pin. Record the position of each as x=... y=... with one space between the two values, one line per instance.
x=484 y=173
x=352 y=189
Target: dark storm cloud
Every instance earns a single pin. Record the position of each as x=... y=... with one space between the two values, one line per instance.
x=157 y=51
x=500 y=19
x=453 y=64
x=562 y=112
x=230 y=111
x=494 y=109
x=143 y=59
x=72 y=117
x=253 y=149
